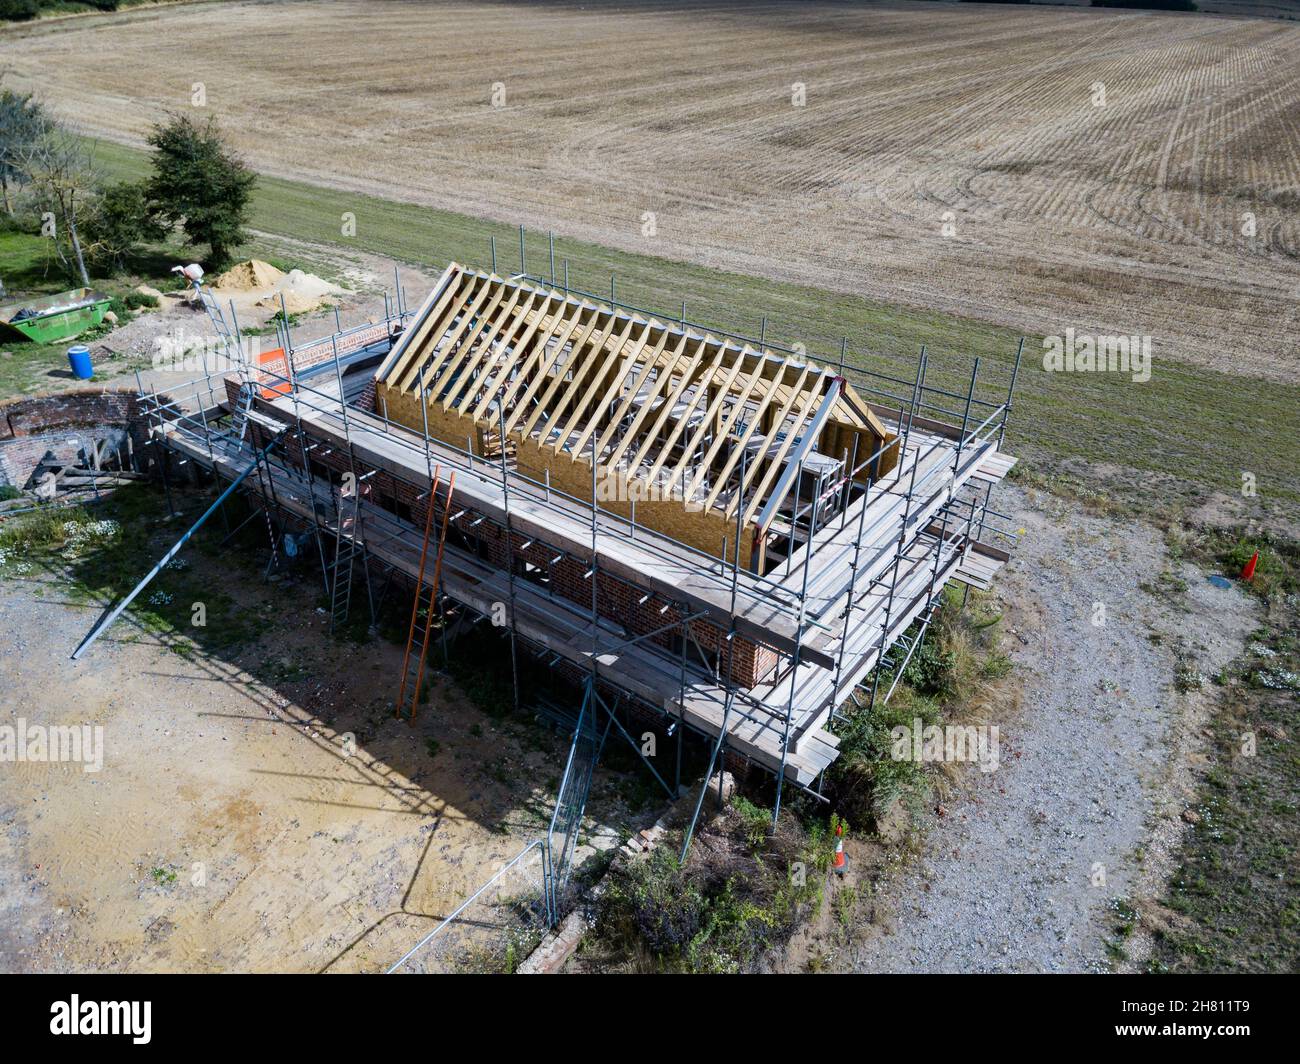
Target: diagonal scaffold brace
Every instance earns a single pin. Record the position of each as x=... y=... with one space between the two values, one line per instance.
x=112 y=615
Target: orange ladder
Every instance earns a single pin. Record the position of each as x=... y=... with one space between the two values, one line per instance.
x=425 y=600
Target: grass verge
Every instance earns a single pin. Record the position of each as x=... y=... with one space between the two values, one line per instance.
x=1233 y=904
x=96 y=553
x=950 y=680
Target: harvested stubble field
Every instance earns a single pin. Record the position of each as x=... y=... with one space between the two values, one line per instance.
x=1125 y=218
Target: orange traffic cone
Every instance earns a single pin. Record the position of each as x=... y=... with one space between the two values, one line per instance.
x=1248 y=570
x=839 y=862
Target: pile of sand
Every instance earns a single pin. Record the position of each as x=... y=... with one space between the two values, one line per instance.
x=261 y=285
x=249 y=276
x=300 y=292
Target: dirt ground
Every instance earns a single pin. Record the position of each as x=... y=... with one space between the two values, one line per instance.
x=944 y=156
x=257 y=810
x=1028 y=868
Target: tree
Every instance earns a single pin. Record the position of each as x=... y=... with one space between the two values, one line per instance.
x=23 y=122
x=64 y=183
x=120 y=222
x=199 y=183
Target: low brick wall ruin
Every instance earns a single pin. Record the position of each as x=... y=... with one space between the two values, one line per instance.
x=67 y=425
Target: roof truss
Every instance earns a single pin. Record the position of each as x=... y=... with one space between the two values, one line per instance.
x=692 y=416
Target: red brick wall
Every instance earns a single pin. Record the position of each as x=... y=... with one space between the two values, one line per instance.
x=620 y=601
x=617 y=599
x=49 y=413
x=322 y=350
x=65 y=424
x=366 y=400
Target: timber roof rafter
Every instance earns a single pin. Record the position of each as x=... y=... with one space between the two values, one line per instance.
x=691 y=415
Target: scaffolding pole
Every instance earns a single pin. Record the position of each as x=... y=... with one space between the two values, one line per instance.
x=510 y=546
x=795 y=661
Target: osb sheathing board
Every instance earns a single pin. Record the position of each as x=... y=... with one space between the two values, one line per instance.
x=474 y=334
x=702 y=529
x=446 y=425
x=839 y=440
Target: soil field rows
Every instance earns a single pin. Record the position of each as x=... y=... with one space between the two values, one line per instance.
x=1115 y=171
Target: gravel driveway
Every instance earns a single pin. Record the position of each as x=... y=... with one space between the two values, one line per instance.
x=1096 y=767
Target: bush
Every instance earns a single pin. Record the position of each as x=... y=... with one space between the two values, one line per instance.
x=733 y=901
x=140 y=300
x=666 y=911
x=18 y=10
x=121 y=222
x=946 y=681
x=867 y=781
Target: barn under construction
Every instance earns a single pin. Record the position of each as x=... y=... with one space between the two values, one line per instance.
x=717 y=531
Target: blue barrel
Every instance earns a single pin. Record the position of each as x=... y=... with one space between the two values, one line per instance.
x=79 y=360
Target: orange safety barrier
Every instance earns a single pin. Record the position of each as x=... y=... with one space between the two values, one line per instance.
x=275 y=362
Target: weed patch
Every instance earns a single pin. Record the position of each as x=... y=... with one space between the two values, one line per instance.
x=739 y=897
x=948 y=680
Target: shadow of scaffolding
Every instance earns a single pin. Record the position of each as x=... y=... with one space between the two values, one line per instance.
x=493 y=929
x=502 y=921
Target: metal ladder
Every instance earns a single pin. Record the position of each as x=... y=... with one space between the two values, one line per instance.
x=265 y=485
x=243 y=407
x=225 y=334
x=347 y=545
x=426 y=598
x=264 y=498
x=267 y=489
